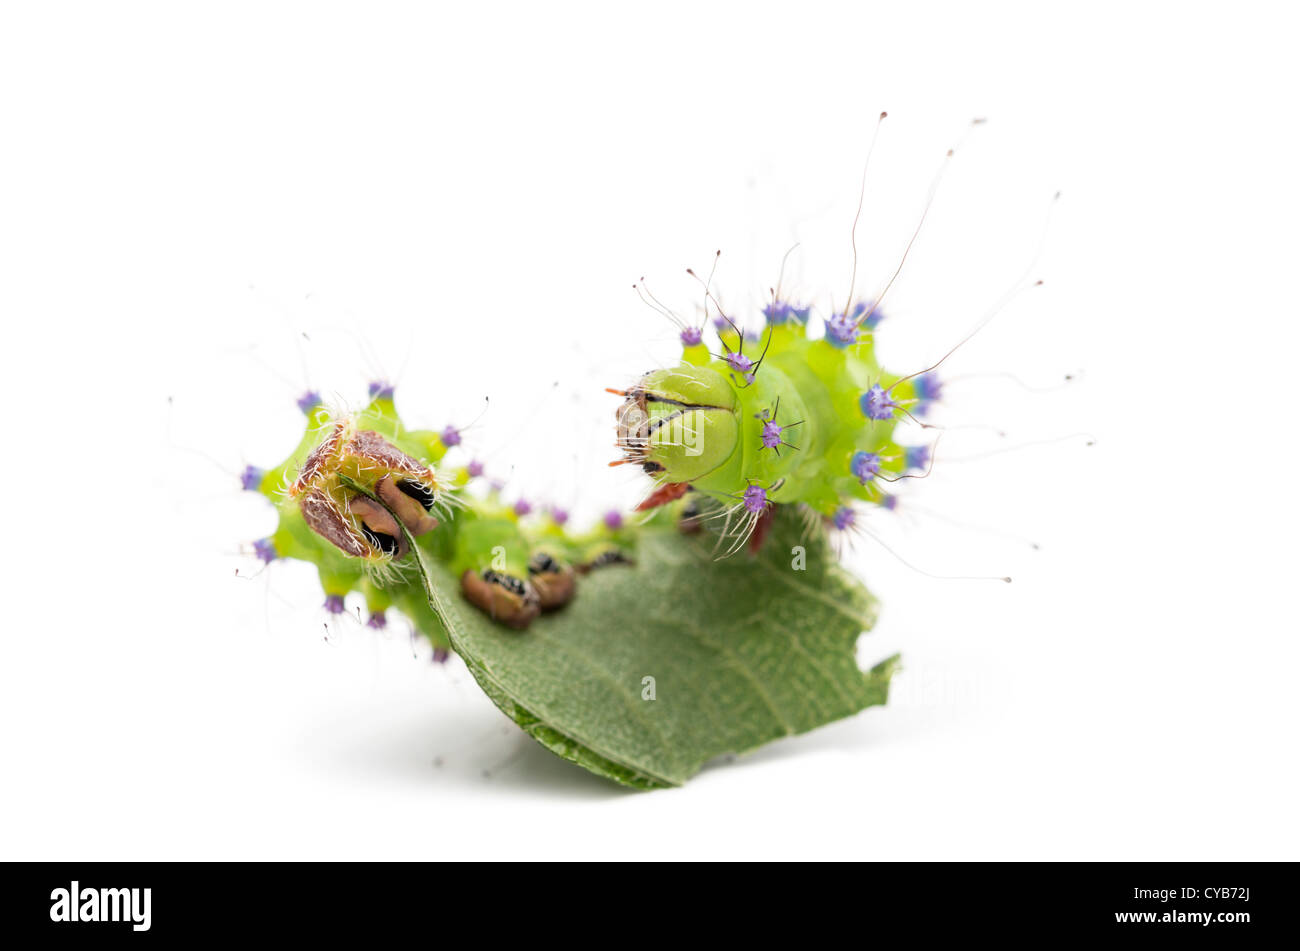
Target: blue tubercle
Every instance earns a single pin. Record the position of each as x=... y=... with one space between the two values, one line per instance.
x=873 y=315
x=928 y=386
x=865 y=466
x=309 y=401
x=251 y=478
x=841 y=331
x=780 y=312
x=877 y=404
x=844 y=329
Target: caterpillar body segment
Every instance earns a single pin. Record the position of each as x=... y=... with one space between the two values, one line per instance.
x=786 y=419
x=358 y=485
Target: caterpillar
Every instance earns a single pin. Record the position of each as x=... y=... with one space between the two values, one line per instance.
x=787 y=419
x=356 y=480
x=782 y=417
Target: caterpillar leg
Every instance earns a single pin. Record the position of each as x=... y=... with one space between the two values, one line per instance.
x=554 y=580
x=513 y=570
x=503 y=597
x=690 y=518
x=515 y=601
x=603 y=558
x=668 y=492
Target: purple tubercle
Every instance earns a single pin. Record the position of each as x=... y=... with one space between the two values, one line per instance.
x=377 y=620
x=523 y=507
x=739 y=362
x=692 y=336
x=777 y=312
x=872 y=318
x=380 y=390
x=755 y=499
x=613 y=520
x=841 y=330
x=771 y=434
x=865 y=466
x=928 y=387
x=722 y=324
x=309 y=401
x=251 y=478
x=890 y=502
x=558 y=515
x=496 y=485
x=334 y=603
x=450 y=436
x=876 y=403
x=865 y=314
x=916 y=457
x=474 y=469
x=441 y=655
x=844 y=518
x=264 y=549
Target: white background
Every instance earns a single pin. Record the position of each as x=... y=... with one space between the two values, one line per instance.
x=459 y=197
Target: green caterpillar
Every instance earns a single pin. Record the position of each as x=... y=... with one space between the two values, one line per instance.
x=793 y=420
x=353 y=478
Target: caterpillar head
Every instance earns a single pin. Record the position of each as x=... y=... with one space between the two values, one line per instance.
x=682 y=423
x=351 y=521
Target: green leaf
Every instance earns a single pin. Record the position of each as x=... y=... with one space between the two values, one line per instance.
x=742 y=650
